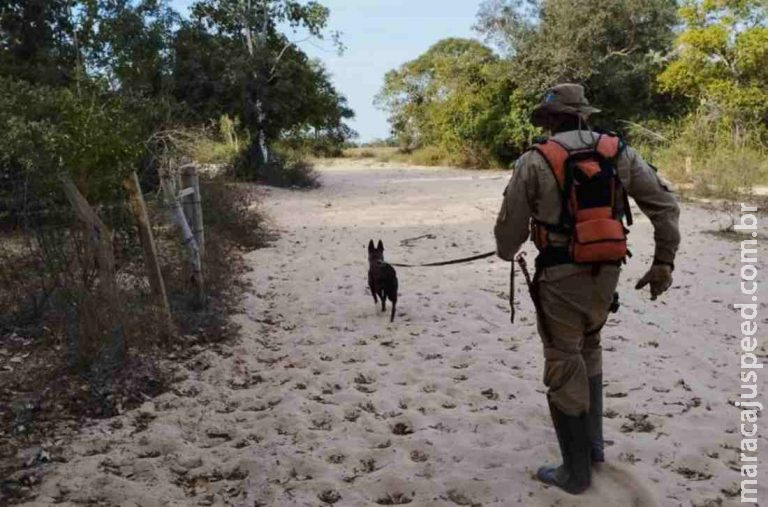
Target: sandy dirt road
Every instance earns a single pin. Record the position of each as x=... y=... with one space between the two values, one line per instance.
x=323 y=401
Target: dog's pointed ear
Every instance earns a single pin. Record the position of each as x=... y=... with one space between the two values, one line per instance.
x=380 y=246
x=370 y=246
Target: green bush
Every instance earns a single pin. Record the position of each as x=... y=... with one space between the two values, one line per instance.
x=220 y=148
x=93 y=137
x=291 y=170
x=213 y=151
x=458 y=102
x=285 y=168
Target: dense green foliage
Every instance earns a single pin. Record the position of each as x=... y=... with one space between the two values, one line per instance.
x=49 y=131
x=458 y=98
x=681 y=68
x=719 y=66
x=613 y=48
x=235 y=53
x=86 y=83
x=720 y=59
x=93 y=90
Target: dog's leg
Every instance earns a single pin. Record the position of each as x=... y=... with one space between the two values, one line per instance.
x=373 y=289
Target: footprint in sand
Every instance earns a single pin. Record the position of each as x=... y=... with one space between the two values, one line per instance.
x=638 y=423
x=402 y=428
x=394 y=499
x=352 y=415
x=329 y=496
x=459 y=498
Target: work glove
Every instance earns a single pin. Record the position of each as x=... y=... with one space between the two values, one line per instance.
x=660 y=278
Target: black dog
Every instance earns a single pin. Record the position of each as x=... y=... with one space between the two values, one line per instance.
x=382 y=278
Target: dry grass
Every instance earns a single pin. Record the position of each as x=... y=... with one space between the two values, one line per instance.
x=428 y=156
x=726 y=172
x=211 y=151
x=380 y=153
x=44 y=396
x=705 y=159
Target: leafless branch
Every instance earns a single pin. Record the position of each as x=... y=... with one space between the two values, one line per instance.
x=281 y=54
x=645 y=129
x=620 y=52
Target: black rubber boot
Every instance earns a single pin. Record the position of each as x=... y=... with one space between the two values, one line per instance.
x=596 y=418
x=575 y=474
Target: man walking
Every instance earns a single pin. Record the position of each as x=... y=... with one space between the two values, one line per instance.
x=570 y=193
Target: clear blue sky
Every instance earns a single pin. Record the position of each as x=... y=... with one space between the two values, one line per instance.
x=380 y=35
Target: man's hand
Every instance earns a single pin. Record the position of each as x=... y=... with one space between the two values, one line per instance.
x=660 y=278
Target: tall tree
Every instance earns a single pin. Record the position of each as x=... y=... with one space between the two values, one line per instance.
x=457 y=96
x=36 y=41
x=614 y=48
x=122 y=43
x=254 y=26
x=131 y=47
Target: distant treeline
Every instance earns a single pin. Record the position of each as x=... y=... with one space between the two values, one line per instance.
x=685 y=80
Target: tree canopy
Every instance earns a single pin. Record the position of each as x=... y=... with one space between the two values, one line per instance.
x=458 y=96
x=657 y=61
x=720 y=57
x=613 y=48
x=143 y=67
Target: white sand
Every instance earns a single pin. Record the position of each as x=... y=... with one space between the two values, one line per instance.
x=303 y=407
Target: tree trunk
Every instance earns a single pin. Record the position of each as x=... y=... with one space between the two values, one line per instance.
x=259 y=78
x=262 y=136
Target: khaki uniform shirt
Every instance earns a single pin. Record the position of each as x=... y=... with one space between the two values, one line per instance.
x=533 y=192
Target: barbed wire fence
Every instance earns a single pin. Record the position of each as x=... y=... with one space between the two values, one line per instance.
x=78 y=266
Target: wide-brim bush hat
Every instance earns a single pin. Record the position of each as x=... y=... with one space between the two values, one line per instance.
x=566 y=98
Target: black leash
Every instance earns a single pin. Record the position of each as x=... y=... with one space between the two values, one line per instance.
x=512 y=292
x=475 y=258
x=446 y=263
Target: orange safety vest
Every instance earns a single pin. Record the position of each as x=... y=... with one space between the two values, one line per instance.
x=593 y=202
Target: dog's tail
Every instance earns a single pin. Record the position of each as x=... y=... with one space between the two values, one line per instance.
x=394 y=305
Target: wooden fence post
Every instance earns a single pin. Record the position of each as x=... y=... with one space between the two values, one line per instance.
x=99 y=238
x=192 y=203
x=188 y=238
x=152 y=264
